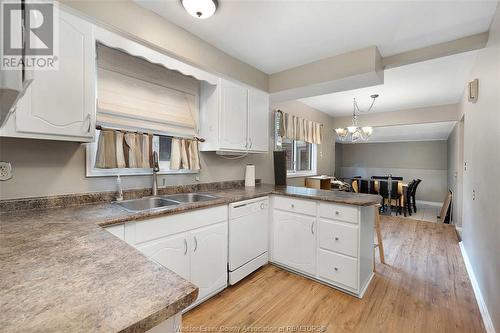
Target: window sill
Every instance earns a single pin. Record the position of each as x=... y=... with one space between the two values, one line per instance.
x=301 y=174
x=136 y=172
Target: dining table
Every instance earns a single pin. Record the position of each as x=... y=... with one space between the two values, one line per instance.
x=402 y=190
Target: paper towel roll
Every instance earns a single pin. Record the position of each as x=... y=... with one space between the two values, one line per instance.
x=250 y=175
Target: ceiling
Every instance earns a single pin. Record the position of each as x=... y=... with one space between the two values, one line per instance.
x=276 y=35
x=438 y=81
x=414 y=132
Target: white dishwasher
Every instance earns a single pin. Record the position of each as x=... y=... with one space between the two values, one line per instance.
x=248 y=230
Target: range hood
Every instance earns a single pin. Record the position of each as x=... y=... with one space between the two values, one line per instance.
x=12 y=88
x=12 y=81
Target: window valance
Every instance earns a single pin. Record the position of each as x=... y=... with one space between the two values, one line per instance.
x=136 y=94
x=296 y=128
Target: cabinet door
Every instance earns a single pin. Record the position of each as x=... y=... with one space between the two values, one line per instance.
x=171 y=252
x=209 y=258
x=258 y=120
x=233 y=116
x=62 y=101
x=294 y=241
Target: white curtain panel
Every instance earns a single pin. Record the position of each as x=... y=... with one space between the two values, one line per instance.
x=296 y=128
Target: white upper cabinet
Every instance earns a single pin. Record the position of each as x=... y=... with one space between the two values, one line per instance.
x=258 y=120
x=60 y=104
x=234 y=118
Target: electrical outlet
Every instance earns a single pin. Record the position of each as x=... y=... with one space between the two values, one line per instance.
x=5 y=171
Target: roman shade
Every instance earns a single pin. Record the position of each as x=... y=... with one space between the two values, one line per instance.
x=296 y=128
x=135 y=94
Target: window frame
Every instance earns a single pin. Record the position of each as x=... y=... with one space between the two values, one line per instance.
x=303 y=173
x=90 y=171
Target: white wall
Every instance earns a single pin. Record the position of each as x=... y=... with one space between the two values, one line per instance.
x=426 y=160
x=481 y=215
x=455 y=171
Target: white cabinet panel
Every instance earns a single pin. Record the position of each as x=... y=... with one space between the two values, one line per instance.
x=117 y=230
x=339 y=212
x=62 y=101
x=233 y=116
x=307 y=207
x=209 y=258
x=171 y=252
x=338 y=268
x=258 y=120
x=339 y=237
x=294 y=242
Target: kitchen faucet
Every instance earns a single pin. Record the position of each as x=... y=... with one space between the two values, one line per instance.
x=156 y=168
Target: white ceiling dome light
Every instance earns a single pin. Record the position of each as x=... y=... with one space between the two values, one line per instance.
x=200 y=9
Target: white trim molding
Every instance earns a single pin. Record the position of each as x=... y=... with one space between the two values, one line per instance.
x=488 y=323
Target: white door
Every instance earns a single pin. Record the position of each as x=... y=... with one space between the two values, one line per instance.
x=258 y=120
x=234 y=116
x=209 y=258
x=171 y=252
x=294 y=241
x=248 y=229
x=62 y=101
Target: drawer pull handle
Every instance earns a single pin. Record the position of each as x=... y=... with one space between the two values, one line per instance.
x=336 y=238
x=336 y=269
x=337 y=212
x=185 y=246
x=292 y=205
x=312 y=227
x=195 y=244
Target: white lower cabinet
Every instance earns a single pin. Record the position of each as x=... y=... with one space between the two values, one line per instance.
x=294 y=242
x=328 y=242
x=193 y=245
x=209 y=258
x=170 y=252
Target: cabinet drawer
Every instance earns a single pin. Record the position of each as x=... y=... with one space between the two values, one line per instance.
x=295 y=205
x=339 y=212
x=154 y=228
x=339 y=237
x=338 y=268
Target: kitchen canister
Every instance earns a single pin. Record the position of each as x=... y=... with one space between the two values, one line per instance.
x=250 y=175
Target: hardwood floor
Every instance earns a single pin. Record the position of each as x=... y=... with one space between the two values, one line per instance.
x=423 y=287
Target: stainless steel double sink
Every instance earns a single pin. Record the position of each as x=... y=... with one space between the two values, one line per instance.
x=163 y=202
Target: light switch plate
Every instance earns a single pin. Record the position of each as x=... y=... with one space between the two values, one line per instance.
x=5 y=171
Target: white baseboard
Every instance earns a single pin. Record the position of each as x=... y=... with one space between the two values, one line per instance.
x=459 y=231
x=430 y=203
x=488 y=323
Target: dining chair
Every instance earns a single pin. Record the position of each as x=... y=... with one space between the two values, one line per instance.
x=373 y=187
x=355 y=186
x=384 y=192
x=413 y=194
x=407 y=198
x=363 y=186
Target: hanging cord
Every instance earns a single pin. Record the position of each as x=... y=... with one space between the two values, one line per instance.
x=239 y=156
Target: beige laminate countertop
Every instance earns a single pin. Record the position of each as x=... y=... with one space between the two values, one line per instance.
x=62 y=272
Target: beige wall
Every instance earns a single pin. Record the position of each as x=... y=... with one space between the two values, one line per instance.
x=481 y=214
x=426 y=160
x=42 y=168
x=455 y=170
x=127 y=17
